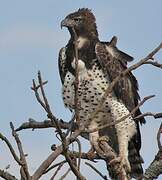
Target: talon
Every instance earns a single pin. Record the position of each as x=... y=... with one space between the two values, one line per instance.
x=104 y=138
x=91 y=153
x=115 y=161
x=125 y=163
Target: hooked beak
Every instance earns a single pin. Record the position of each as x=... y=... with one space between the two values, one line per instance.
x=67 y=23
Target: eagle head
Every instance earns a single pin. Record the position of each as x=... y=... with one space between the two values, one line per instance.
x=82 y=21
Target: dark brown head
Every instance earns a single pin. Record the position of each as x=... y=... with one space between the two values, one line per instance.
x=83 y=22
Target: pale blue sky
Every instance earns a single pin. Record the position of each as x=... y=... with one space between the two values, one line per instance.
x=30 y=39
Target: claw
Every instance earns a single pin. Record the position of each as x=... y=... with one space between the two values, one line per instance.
x=115 y=161
x=123 y=163
x=91 y=153
x=104 y=138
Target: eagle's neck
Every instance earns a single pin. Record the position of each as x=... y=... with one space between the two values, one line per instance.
x=86 y=50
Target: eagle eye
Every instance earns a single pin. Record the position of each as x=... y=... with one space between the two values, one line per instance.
x=78 y=19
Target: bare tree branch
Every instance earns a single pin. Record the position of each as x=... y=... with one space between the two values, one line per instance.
x=6 y=175
x=22 y=155
x=46 y=106
x=107 y=153
x=3 y=138
x=47 y=162
x=56 y=172
x=66 y=173
x=155 y=168
x=96 y=170
x=53 y=166
x=154 y=63
x=112 y=161
x=76 y=77
x=155 y=115
x=33 y=124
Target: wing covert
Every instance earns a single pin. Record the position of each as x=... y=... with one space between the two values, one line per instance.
x=126 y=89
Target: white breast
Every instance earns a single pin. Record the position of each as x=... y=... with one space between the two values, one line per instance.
x=81 y=65
x=81 y=42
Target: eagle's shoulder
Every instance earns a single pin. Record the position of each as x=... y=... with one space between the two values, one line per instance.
x=113 y=62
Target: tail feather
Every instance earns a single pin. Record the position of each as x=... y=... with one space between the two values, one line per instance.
x=135 y=161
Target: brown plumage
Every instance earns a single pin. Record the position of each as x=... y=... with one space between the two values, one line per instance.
x=105 y=59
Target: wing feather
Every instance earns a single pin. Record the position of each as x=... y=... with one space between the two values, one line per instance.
x=126 y=89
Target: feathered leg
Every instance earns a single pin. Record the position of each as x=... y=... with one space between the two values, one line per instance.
x=125 y=130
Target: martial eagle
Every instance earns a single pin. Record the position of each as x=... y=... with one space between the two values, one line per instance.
x=98 y=64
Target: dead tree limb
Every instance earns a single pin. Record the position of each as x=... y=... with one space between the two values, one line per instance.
x=96 y=170
x=107 y=154
x=155 y=168
x=15 y=156
x=54 y=166
x=6 y=175
x=24 y=166
x=56 y=172
x=44 y=103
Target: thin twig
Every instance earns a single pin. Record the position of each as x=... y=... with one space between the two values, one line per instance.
x=64 y=176
x=56 y=172
x=22 y=155
x=155 y=168
x=6 y=175
x=80 y=151
x=54 y=166
x=154 y=63
x=33 y=124
x=37 y=87
x=158 y=137
x=3 y=138
x=76 y=77
x=155 y=115
x=46 y=107
x=47 y=162
x=97 y=171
